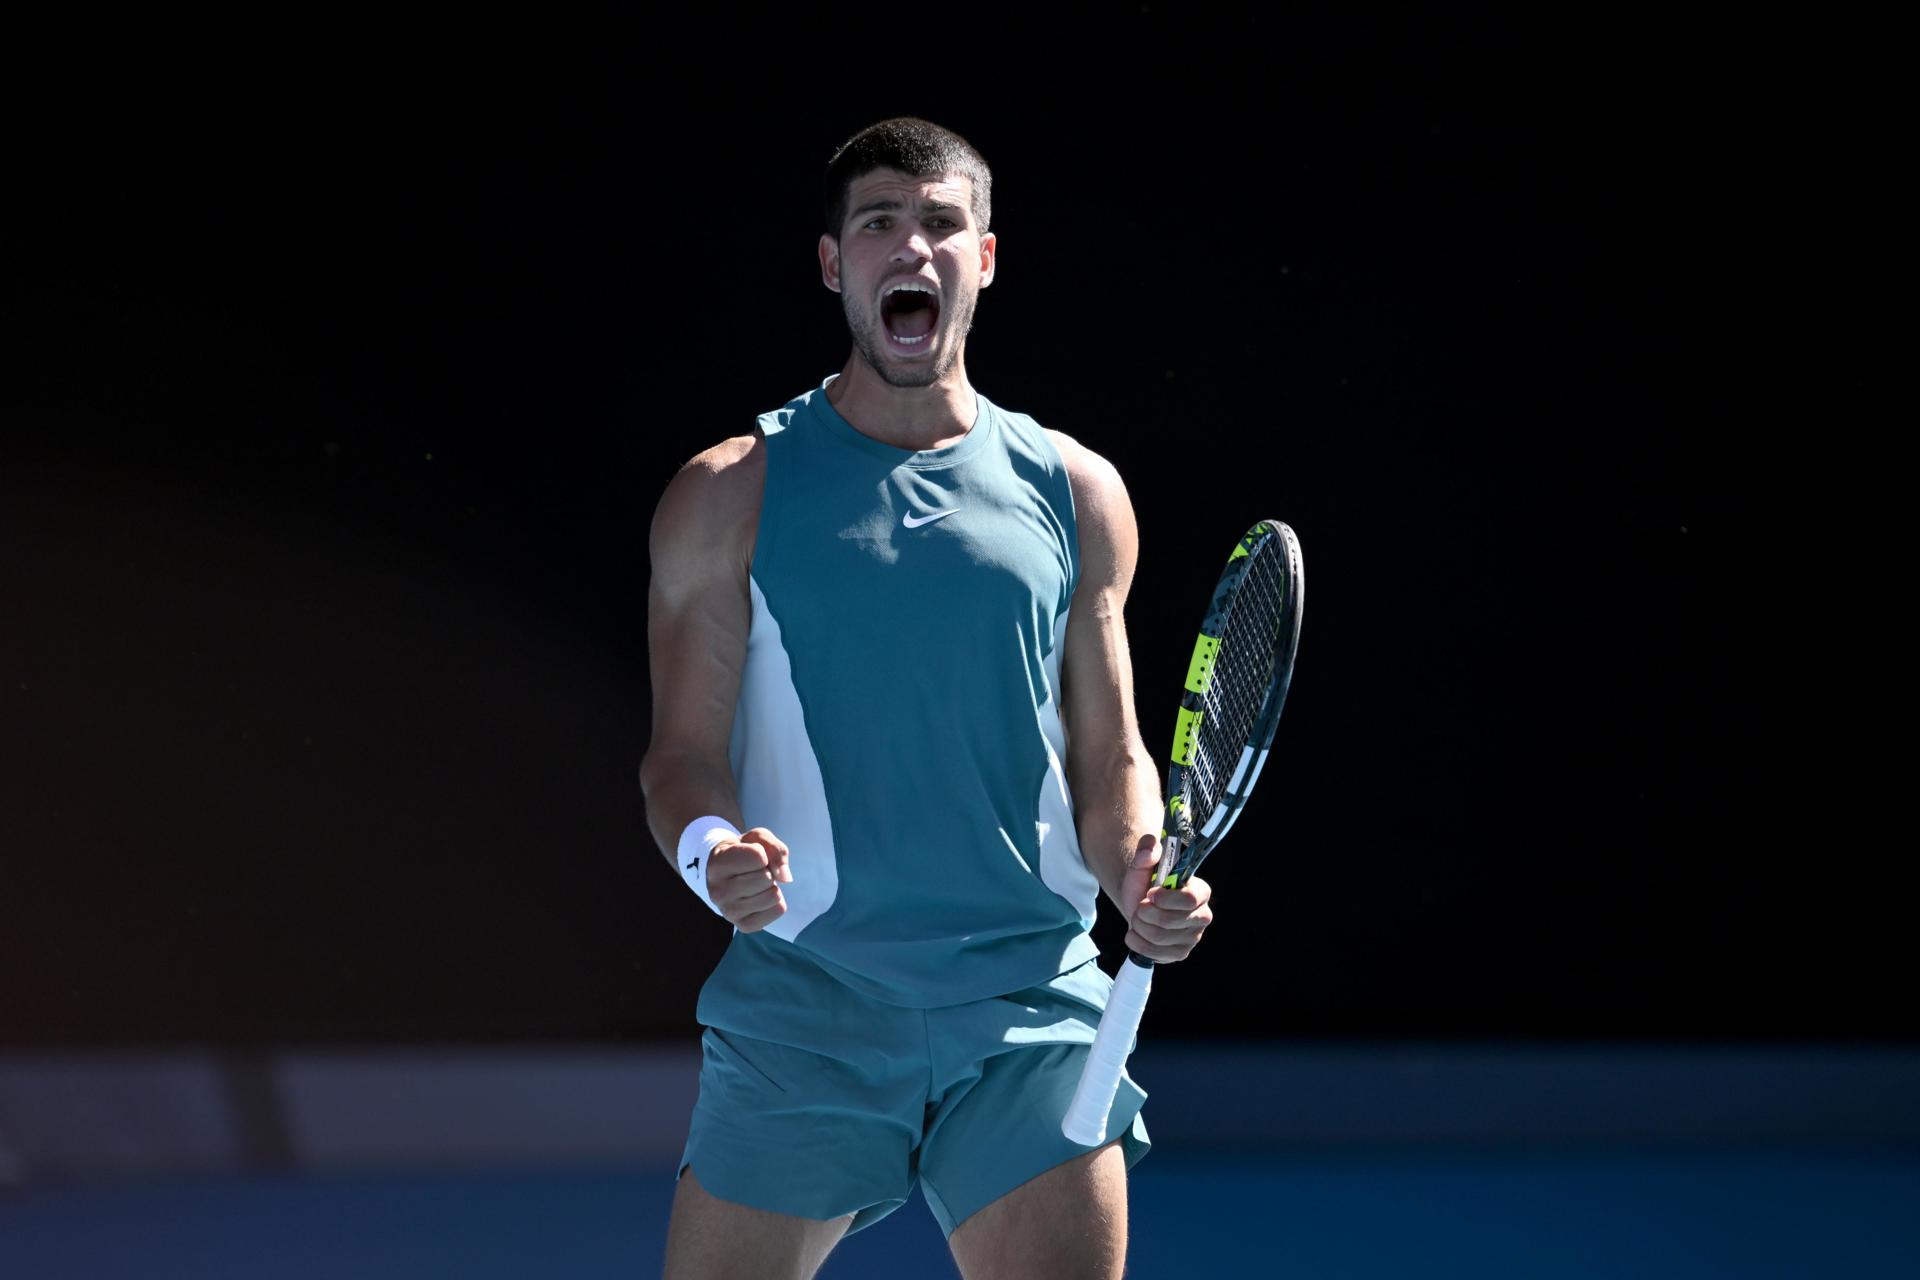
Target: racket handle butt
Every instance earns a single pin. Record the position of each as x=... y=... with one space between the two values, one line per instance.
x=1086 y=1118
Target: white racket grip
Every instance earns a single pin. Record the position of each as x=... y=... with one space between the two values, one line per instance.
x=1086 y=1121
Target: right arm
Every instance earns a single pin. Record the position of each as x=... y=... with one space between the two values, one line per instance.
x=698 y=615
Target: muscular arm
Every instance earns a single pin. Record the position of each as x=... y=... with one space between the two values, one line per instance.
x=1115 y=788
x=698 y=615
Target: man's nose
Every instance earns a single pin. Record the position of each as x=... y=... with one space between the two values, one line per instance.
x=912 y=247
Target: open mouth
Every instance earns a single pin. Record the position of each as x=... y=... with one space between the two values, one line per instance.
x=909 y=311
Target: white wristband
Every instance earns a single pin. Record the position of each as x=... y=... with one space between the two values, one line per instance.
x=696 y=842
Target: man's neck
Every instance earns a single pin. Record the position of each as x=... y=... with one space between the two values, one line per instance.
x=915 y=418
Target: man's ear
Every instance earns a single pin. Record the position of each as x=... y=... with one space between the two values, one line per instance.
x=830 y=262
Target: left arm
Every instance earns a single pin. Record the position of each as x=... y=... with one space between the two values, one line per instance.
x=1116 y=795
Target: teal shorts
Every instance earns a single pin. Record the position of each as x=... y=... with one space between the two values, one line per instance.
x=819 y=1102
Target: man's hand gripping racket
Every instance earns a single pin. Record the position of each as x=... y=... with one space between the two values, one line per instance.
x=1236 y=686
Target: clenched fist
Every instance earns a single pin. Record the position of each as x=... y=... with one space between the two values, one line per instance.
x=744 y=878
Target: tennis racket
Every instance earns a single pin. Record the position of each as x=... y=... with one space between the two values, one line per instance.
x=1236 y=684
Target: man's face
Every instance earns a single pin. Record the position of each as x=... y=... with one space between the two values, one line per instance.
x=909 y=266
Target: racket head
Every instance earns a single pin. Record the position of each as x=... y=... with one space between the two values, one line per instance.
x=1237 y=682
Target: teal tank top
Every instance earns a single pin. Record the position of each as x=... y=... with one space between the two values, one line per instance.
x=899 y=715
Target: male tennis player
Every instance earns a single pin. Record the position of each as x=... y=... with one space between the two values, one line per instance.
x=894 y=746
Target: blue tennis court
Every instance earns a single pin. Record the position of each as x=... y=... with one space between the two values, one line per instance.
x=1489 y=1215
x=1348 y=1161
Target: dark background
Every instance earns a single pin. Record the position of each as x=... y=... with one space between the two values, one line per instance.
x=346 y=358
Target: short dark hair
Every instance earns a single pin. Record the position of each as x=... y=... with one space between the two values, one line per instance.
x=915 y=147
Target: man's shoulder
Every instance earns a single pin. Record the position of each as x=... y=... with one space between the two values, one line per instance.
x=1094 y=479
x=1051 y=449
x=725 y=470
x=1103 y=512
x=715 y=497
x=776 y=421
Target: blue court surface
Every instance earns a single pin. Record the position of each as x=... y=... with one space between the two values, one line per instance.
x=1826 y=1212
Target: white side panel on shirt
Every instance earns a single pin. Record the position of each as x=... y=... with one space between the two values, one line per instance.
x=779 y=775
x=1062 y=867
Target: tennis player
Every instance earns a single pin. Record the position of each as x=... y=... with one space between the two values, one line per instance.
x=894 y=746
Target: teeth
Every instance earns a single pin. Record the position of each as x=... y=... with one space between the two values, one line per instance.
x=909 y=286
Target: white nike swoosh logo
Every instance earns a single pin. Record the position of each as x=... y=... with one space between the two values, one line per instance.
x=914 y=522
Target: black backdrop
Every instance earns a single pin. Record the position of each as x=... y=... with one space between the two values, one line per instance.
x=346 y=359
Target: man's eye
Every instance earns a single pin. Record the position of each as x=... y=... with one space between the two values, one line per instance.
x=876 y=224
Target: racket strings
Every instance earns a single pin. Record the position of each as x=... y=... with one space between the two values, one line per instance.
x=1241 y=674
